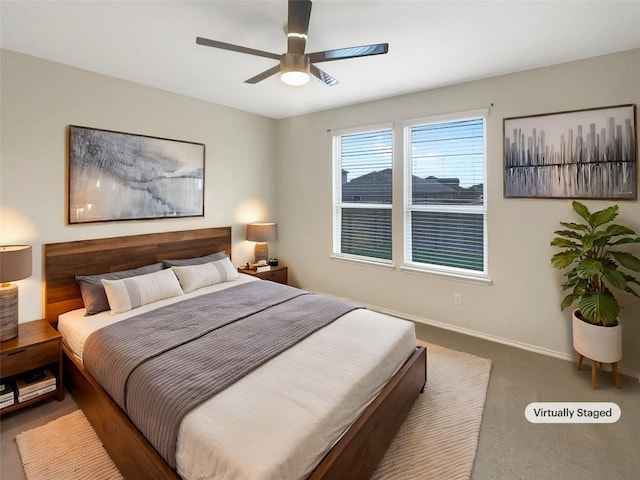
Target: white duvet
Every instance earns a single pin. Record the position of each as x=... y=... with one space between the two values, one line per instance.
x=279 y=421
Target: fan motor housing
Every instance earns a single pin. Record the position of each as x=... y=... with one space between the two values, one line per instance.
x=294 y=62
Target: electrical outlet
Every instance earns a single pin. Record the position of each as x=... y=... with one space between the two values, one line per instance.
x=457 y=298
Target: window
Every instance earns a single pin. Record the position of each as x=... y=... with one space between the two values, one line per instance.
x=445 y=208
x=362 y=193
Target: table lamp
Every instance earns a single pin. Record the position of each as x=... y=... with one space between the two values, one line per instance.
x=261 y=233
x=15 y=264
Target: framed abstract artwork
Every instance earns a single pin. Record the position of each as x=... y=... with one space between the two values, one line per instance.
x=122 y=176
x=577 y=154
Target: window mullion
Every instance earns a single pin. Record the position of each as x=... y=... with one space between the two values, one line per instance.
x=448 y=208
x=376 y=206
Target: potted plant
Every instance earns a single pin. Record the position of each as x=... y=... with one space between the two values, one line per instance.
x=595 y=266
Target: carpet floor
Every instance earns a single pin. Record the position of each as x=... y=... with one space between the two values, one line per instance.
x=437 y=441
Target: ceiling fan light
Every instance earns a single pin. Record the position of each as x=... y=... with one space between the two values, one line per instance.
x=295 y=69
x=294 y=78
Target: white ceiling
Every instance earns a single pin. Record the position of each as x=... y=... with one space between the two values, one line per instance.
x=431 y=43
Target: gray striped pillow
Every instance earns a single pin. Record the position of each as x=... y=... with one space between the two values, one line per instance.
x=197 y=276
x=93 y=295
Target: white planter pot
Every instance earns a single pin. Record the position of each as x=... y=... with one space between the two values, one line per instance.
x=602 y=344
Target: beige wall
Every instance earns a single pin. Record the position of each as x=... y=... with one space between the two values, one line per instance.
x=40 y=99
x=521 y=307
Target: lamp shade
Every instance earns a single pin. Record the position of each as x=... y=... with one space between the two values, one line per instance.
x=15 y=262
x=262 y=232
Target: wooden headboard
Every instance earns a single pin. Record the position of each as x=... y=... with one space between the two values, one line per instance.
x=63 y=261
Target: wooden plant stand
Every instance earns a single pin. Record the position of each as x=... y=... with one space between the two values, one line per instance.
x=594 y=371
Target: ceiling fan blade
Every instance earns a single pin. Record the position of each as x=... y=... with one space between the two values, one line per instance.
x=350 y=52
x=323 y=76
x=298 y=25
x=235 y=48
x=263 y=75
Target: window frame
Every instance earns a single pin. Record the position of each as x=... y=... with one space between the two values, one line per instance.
x=409 y=265
x=338 y=204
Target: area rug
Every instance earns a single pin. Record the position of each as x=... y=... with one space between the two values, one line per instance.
x=439 y=438
x=437 y=441
x=66 y=448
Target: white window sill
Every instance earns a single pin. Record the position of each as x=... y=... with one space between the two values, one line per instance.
x=457 y=277
x=360 y=261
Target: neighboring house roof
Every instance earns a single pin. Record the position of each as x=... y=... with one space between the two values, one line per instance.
x=377 y=187
x=432 y=186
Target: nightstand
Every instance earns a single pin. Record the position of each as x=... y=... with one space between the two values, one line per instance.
x=37 y=345
x=276 y=274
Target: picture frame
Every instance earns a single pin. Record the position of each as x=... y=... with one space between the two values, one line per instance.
x=122 y=176
x=586 y=154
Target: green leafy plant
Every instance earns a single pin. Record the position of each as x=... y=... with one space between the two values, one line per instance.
x=588 y=248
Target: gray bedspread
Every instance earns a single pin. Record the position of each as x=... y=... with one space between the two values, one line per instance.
x=160 y=365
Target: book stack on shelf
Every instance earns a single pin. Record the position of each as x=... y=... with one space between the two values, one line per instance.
x=7 y=396
x=35 y=383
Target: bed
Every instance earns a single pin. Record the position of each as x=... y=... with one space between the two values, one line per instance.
x=352 y=452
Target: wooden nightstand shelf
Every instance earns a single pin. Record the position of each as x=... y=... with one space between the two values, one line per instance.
x=38 y=345
x=276 y=274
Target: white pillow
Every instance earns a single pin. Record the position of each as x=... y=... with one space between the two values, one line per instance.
x=193 y=277
x=133 y=292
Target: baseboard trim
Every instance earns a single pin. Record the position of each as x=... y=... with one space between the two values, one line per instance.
x=491 y=338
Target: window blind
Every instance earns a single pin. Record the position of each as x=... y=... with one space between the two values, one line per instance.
x=363 y=190
x=445 y=212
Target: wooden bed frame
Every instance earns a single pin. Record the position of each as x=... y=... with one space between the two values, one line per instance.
x=355 y=456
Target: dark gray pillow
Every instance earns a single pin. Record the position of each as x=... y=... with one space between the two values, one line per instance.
x=194 y=261
x=93 y=294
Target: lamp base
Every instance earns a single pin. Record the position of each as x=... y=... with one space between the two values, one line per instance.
x=8 y=312
x=261 y=251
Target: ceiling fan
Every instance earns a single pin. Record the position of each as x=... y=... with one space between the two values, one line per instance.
x=296 y=66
